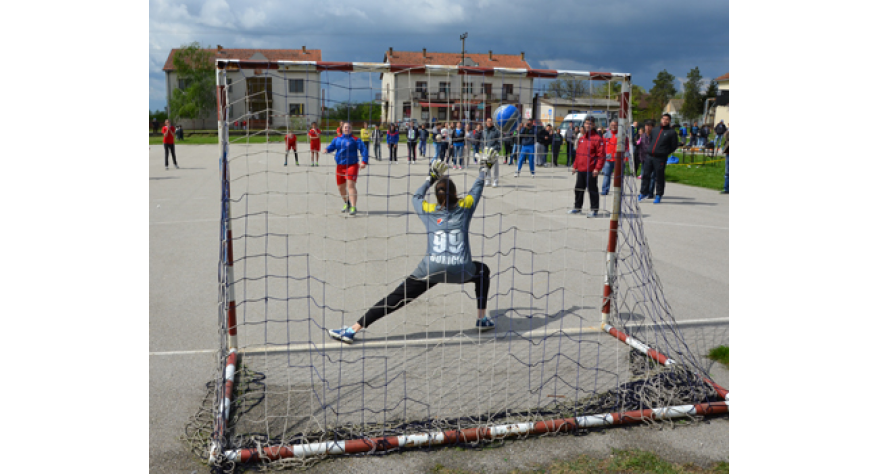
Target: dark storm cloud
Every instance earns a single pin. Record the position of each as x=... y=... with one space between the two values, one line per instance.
x=638 y=37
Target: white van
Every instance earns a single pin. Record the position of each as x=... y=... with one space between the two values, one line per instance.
x=576 y=120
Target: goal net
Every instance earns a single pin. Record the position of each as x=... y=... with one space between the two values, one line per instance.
x=583 y=335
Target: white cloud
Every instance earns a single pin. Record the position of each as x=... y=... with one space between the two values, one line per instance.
x=253 y=18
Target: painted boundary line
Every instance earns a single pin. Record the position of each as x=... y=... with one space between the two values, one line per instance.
x=459 y=338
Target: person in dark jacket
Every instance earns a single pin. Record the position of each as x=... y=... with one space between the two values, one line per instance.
x=393 y=138
x=720 y=129
x=180 y=132
x=423 y=139
x=542 y=145
x=643 y=146
x=704 y=135
x=571 y=138
x=663 y=142
x=555 y=144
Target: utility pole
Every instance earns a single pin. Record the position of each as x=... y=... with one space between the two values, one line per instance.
x=461 y=82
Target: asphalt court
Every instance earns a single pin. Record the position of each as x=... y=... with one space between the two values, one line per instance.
x=687 y=234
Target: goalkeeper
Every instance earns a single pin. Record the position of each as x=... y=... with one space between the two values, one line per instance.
x=448 y=258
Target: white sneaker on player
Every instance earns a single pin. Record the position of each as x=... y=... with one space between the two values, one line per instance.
x=516 y=174
x=495 y=183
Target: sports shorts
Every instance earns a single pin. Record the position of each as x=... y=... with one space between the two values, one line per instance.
x=346 y=173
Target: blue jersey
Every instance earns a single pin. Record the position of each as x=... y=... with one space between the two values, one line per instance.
x=448 y=258
x=347 y=147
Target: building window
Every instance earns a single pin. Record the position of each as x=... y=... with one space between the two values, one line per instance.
x=468 y=87
x=407 y=110
x=425 y=115
x=296 y=109
x=182 y=84
x=444 y=87
x=421 y=87
x=296 y=86
x=229 y=85
x=441 y=114
x=506 y=90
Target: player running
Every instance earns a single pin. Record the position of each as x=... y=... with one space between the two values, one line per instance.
x=290 y=140
x=347 y=147
x=448 y=259
x=314 y=144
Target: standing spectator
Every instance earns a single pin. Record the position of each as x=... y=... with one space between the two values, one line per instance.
x=180 y=132
x=695 y=134
x=587 y=165
x=610 y=152
x=509 y=147
x=468 y=140
x=392 y=137
x=339 y=131
x=542 y=145
x=571 y=139
x=154 y=125
x=423 y=139
x=168 y=143
x=412 y=136
x=314 y=144
x=476 y=138
x=443 y=138
x=726 y=162
x=235 y=125
x=642 y=149
x=528 y=135
x=376 y=138
x=683 y=132
x=365 y=135
x=435 y=137
x=244 y=126
x=556 y=144
x=458 y=138
x=663 y=142
x=704 y=135
x=290 y=142
x=347 y=148
x=720 y=130
x=491 y=139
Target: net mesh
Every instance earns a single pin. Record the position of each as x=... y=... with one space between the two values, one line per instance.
x=302 y=267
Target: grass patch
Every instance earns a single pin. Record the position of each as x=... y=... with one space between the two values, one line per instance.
x=621 y=461
x=709 y=176
x=721 y=354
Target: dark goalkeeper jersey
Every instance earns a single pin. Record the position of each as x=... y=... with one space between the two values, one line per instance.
x=448 y=259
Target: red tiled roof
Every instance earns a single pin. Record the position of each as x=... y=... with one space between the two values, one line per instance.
x=725 y=77
x=453 y=59
x=245 y=54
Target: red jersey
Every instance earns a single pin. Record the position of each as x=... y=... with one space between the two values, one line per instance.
x=338 y=132
x=168 y=137
x=314 y=135
x=290 y=139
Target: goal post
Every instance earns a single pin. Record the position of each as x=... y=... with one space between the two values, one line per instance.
x=584 y=337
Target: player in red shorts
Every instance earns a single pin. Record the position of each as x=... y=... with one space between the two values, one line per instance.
x=290 y=140
x=314 y=144
x=347 y=148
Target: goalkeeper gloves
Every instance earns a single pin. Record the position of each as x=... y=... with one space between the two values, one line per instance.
x=488 y=158
x=437 y=170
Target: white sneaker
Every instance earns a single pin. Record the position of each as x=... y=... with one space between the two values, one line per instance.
x=516 y=175
x=495 y=183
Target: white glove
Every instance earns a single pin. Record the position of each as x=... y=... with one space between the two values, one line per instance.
x=488 y=158
x=438 y=169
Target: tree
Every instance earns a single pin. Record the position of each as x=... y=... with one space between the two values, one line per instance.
x=711 y=90
x=567 y=88
x=693 y=97
x=194 y=66
x=663 y=90
x=159 y=115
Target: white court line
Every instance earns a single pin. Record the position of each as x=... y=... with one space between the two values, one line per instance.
x=685 y=225
x=459 y=338
x=215 y=220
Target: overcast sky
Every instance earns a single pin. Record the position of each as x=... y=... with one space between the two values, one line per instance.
x=641 y=37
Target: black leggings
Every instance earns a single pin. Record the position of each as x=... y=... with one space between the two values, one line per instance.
x=170 y=146
x=412 y=288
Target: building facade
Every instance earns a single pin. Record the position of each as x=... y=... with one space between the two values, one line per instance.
x=722 y=103
x=439 y=92
x=276 y=98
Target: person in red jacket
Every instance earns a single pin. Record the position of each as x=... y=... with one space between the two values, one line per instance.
x=290 y=141
x=168 y=141
x=588 y=164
